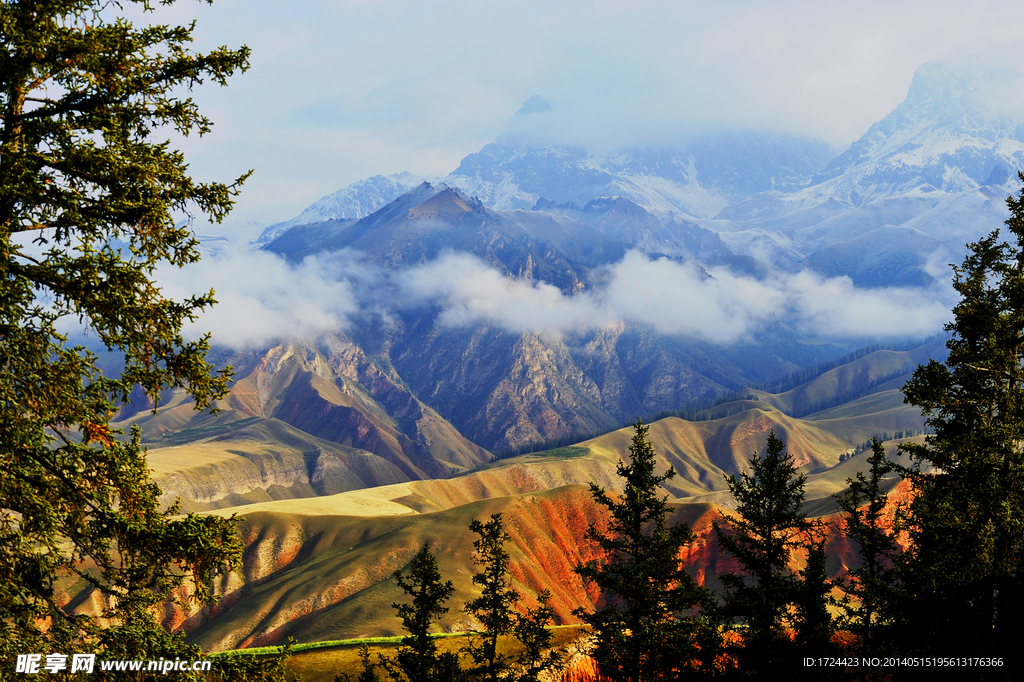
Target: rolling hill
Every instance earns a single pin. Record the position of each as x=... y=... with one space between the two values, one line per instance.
x=318 y=568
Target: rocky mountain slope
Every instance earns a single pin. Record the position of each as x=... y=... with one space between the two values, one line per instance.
x=939 y=166
x=302 y=420
x=315 y=571
x=504 y=387
x=320 y=552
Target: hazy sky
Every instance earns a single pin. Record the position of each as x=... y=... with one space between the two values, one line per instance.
x=340 y=91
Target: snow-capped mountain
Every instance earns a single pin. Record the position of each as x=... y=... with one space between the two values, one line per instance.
x=698 y=179
x=947 y=136
x=941 y=165
x=358 y=200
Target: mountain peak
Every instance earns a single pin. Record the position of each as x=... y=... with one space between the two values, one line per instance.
x=994 y=89
x=534 y=105
x=937 y=80
x=449 y=203
x=615 y=204
x=956 y=126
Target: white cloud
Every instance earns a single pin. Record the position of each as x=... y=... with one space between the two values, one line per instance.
x=470 y=291
x=262 y=298
x=834 y=307
x=678 y=299
x=674 y=298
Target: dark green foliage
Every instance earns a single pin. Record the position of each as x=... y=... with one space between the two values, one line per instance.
x=884 y=436
x=531 y=629
x=81 y=96
x=768 y=526
x=418 y=659
x=495 y=607
x=367 y=674
x=963 y=574
x=812 y=620
x=872 y=584
x=655 y=615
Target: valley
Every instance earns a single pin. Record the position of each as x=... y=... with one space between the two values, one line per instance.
x=320 y=549
x=509 y=322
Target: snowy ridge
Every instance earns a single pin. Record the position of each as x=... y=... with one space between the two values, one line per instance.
x=358 y=200
x=939 y=167
x=946 y=136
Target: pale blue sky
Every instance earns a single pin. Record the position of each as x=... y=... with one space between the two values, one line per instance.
x=340 y=91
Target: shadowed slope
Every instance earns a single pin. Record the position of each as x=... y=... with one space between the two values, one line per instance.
x=255 y=459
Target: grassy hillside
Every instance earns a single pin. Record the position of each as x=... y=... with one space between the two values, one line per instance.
x=324 y=663
x=326 y=524
x=314 y=570
x=317 y=577
x=227 y=460
x=852 y=380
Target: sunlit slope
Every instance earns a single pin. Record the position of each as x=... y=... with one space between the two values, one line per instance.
x=821 y=486
x=702 y=453
x=225 y=461
x=853 y=379
x=302 y=420
x=860 y=419
x=319 y=577
x=316 y=570
x=334 y=392
x=526 y=474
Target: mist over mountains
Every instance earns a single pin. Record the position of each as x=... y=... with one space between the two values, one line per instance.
x=541 y=290
x=402 y=342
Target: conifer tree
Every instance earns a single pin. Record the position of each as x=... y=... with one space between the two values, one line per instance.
x=812 y=620
x=531 y=629
x=89 y=189
x=655 y=613
x=418 y=659
x=963 y=571
x=495 y=607
x=768 y=526
x=368 y=672
x=872 y=584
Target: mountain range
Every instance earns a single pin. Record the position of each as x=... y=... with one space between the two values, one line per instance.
x=318 y=563
x=920 y=184
x=440 y=383
x=501 y=345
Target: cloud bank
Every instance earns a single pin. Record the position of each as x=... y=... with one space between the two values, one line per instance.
x=263 y=298
x=676 y=298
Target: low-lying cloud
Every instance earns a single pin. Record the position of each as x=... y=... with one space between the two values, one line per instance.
x=675 y=298
x=263 y=298
x=470 y=291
